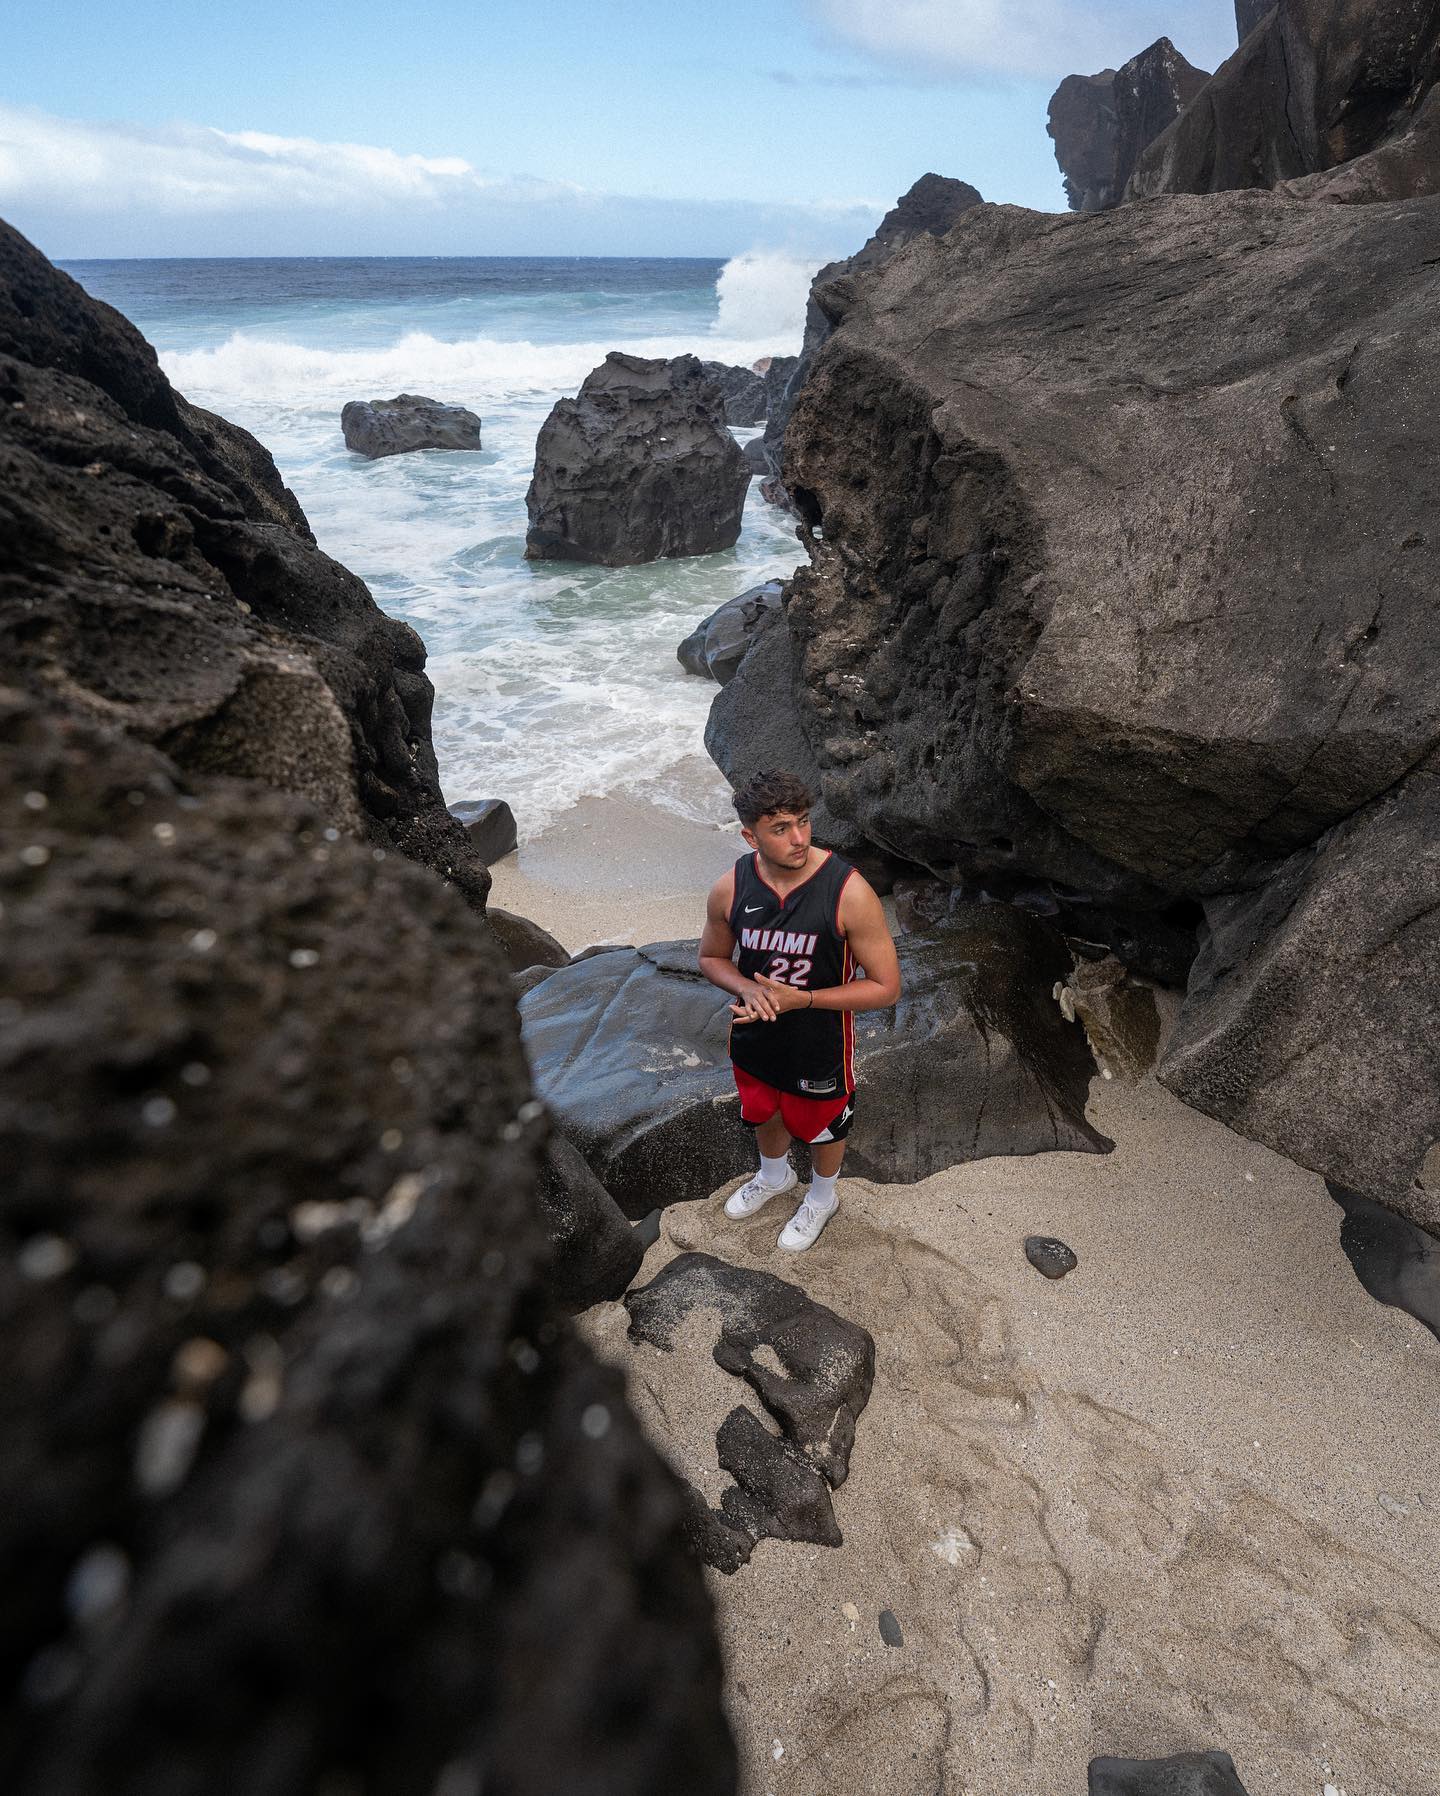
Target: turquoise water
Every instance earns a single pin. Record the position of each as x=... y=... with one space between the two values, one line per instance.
x=553 y=682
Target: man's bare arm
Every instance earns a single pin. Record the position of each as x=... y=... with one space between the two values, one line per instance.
x=862 y=921
x=717 y=948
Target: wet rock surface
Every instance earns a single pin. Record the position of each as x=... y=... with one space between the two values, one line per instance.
x=811 y=1369
x=716 y=647
x=289 y=1404
x=1102 y=123
x=490 y=825
x=379 y=427
x=155 y=571
x=525 y=943
x=978 y=698
x=629 y=1049
x=1118 y=1015
x=1051 y=1258
x=1397 y=1262
x=637 y=466
x=1184 y=1774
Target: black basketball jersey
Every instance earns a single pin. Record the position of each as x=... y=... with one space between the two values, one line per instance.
x=795 y=939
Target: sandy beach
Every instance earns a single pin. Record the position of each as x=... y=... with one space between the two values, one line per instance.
x=1186 y=1498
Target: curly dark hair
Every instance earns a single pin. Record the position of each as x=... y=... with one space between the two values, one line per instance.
x=766 y=792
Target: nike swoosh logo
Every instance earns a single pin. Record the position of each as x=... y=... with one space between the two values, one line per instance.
x=751 y=908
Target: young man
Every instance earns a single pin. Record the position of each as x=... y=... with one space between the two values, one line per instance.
x=814 y=949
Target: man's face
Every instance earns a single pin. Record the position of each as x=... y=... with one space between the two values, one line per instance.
x=782 y=838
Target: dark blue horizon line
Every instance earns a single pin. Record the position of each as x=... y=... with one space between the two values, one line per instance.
x=62 y=261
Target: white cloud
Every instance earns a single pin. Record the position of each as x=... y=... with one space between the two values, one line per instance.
x=85 y=188
x=1048 y=38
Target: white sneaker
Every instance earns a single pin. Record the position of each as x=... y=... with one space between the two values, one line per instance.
x=803 y=1228
x=754 y=1196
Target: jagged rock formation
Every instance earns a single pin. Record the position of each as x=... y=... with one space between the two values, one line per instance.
x=157 y=575
x=811 y=1369
x=1248 y=14
x=637 y=466
x=928 y=209
x=742 y=392
x=378 y=427
x=1313 y=86
x=1101 y=123
x=1017 y=655
x=629 y=1051
x=289 y=1405
x=716 y=647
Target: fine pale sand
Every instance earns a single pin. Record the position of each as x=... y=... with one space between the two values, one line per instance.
x=1188 y=1497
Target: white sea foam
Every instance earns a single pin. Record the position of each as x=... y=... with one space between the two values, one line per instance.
x=762 y=294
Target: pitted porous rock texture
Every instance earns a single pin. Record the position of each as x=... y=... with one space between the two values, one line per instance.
x=928 y=209
x=630 y=1051
x=1101 y=123
x=156 y=574
x=398 y=426
x=1316 y=84
x=812 y=1371
x=637 y=466
x=742 y=392
x=1019 y=654
x=304 y=1474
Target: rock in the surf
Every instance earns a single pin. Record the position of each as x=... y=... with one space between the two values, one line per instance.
x=637 y=466
x=629 y=1050
x=715 y=648
x=1184 y=1774
x=1101 y=123
x=742 y=391
x=812 y=1371
x=755 y=457
x=490 y=825
x=379 y=427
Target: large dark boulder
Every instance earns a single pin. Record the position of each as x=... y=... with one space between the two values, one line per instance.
x=301 y=1460
x=490 y=825
x=596 y=1250
x=928 y=209
x=742 y=392
x=716 y=647
x=811 y=1369
x=1249 y=13
x=155 y=571
x=629 y=1050
x=378 y=427
x=637 y=466
x=1314 y=85
x=1015 y=655
x=1101 y=123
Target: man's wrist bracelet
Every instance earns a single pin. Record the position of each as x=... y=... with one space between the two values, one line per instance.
x=811 y=1004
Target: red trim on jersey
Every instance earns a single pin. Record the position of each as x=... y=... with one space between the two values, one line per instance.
x=829 y=856
x=847 y=1017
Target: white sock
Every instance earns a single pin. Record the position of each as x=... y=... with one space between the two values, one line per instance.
x=822 y=1191
x=775 y=1172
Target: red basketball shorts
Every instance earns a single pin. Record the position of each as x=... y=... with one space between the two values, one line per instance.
x=807 y=1119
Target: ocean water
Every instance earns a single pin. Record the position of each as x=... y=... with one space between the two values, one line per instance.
x=553 y=681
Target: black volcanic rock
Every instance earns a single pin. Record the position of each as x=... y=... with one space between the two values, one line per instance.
x=1397 y=1262
x=289 y=1405
x=1248 y=14
x=638 y=466
x=1185 y=1774
x=716 y=647
x=1313 y=86
x=490 y=825
x=629 y=1051
x=154 y=570
x=378 y=427
x=742 y=391
x=928 y=209
x=1101 y=123
x=811 y=1369
x=1015 y=655
x=596 y=1250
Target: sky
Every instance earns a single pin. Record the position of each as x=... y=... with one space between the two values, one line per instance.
x=535 y=127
